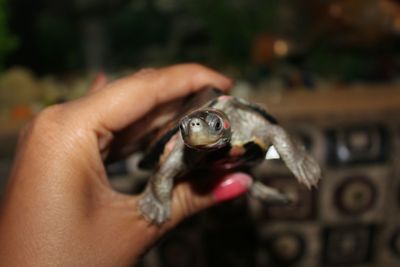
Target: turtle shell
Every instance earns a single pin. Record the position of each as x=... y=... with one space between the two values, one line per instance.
x=228 y=157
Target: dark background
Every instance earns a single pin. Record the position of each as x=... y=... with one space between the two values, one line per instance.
x=351 y=40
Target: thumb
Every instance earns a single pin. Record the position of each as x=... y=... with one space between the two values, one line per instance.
x=189 y=198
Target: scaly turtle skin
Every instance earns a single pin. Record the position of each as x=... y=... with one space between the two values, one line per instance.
x=226 y=133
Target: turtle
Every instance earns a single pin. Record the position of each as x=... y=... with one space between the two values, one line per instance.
x=226 y=132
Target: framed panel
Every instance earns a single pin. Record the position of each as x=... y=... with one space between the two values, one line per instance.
x=289 y=244
x=345 y=245
x=354 y=194
x=358 y=144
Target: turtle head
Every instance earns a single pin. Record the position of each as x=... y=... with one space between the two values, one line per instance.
x=206 y=129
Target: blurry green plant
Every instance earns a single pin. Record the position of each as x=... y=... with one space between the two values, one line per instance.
x=8 y=42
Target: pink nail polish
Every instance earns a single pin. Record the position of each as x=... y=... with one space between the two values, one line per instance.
x=101 y=75
x=232 y=186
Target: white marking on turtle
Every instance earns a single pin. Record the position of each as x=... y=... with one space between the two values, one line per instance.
x=272 y=153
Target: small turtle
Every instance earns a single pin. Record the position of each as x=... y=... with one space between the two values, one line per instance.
x=227 y=132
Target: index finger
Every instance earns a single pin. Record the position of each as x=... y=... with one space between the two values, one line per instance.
x=125 y=100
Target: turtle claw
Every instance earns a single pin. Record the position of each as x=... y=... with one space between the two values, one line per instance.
x=153 y=210
x=308 y=172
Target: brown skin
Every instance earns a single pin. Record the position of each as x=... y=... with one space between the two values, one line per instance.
x=59 y=209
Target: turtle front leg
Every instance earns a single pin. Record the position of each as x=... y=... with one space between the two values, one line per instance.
x=304 y=167
x=155 y=203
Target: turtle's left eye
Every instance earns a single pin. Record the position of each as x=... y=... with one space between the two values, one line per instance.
x=215 y=123
x=217 y=126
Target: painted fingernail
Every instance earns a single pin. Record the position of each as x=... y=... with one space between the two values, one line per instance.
x=101 y=75
x=232 y=186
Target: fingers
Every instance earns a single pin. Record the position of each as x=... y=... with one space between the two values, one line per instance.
x=124 y=101
x=100 y=81
x=188 y=200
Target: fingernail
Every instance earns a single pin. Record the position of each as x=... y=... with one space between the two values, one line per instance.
x=101 y=75
x=232 y=186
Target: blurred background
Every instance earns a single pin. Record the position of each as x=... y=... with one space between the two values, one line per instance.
x=327 y=69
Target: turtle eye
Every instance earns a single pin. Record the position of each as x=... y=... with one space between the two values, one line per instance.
x=214 y=122
x=217 y=125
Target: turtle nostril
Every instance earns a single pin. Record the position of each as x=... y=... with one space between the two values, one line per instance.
x=195 y=123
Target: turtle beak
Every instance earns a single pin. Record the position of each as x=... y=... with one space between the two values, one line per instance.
x=194 y=132
x=197 y=133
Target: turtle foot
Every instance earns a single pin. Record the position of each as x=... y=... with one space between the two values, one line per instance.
x=268 y=194
x=308 y=172
x=153 y=210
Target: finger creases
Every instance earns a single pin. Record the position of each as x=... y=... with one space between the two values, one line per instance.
x=122 y=102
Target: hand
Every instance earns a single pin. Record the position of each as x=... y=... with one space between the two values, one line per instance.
x=59 y=209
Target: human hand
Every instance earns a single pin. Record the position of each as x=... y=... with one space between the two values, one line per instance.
x=59 y=208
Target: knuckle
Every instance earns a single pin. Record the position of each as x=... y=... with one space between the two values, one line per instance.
x=49 y=114
x=47 y=118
